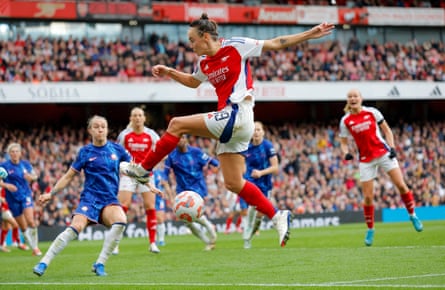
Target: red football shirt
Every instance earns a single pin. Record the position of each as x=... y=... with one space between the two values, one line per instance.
x=364 y=128
x=229 y=70
x=138 y=144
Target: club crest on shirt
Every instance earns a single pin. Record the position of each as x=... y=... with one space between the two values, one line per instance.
x=84 y=208
x=113 y=156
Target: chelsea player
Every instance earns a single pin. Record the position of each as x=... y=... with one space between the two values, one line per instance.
x=188 y=163
x=261 y=164
x=98 y=203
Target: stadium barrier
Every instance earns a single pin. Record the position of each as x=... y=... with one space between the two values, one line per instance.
x=161 y=92
x=424 y=213
x=138 y=230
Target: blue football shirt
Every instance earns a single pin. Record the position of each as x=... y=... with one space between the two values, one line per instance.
x=257 y=157
x=16 y=176
x=188 y=168
x=101 y=170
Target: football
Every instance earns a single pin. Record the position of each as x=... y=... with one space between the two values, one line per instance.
x=188 y=206
x=3 y=173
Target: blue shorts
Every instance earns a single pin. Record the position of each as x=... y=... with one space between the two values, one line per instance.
x=160 y=203
x=92 y=208
x=243 y=204
x=17 y=207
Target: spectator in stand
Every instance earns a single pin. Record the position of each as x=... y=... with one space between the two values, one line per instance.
x=99 y=161
x=48 y=60
x=138 y=139
x=20 y=198
x=364 y=124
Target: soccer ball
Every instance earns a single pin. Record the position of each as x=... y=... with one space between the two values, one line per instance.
x=3 y=173
x=189 y=206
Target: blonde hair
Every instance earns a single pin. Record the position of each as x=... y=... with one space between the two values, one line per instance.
x=12 y=146
x=90 y=120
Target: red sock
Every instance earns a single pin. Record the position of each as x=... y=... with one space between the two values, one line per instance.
x=408 y=199
x=16 y=235
x=125 y=208
x=228 y=223
x=369 y=215
x=238 y=221
x=3 y=236
x=253 y=196
x=151 y=224
x=165 y=145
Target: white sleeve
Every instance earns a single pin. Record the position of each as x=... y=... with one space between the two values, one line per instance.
x=247 y=47
x=121 y=137
x=344 y=132
x=377 y=114
x=198 y=74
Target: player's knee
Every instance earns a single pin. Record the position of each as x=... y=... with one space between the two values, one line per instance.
x=233 y=186
x=175 y=125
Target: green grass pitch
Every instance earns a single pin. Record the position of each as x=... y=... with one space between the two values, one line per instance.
x=315 y=258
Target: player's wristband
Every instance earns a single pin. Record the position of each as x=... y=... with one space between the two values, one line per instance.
x=53 y=193
x=348 y=156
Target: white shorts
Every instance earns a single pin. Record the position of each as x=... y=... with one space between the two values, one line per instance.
x=233 y=125
x=368 y=170
x=130 y=184
x=7 y=215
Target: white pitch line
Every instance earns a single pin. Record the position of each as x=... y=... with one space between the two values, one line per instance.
x=231 y=285
x=387 y=279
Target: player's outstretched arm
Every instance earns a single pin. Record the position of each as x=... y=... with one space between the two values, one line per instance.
x=284 y=41
x=184 y=78
x=60 y=184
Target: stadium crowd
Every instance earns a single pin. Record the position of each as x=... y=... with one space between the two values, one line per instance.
x=93 y=59
x=313 y=176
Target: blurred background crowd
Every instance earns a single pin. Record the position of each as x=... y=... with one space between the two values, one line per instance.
x=46 y=59
x=313 y=176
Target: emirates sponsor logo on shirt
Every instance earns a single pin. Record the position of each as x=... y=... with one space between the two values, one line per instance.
x=218 y=75
x=137 y=147
x=361 y=127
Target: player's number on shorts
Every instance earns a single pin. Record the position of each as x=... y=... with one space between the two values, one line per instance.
x=221 y=115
